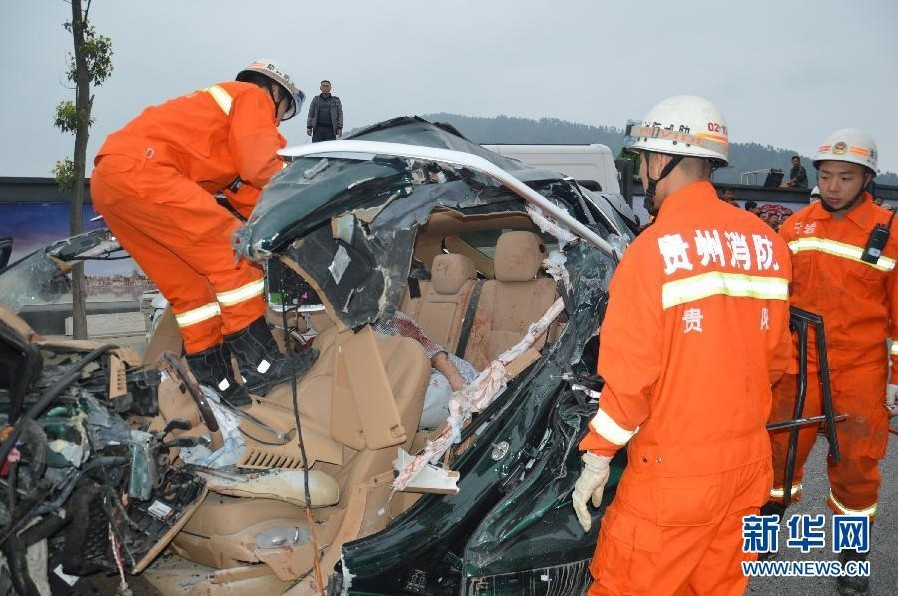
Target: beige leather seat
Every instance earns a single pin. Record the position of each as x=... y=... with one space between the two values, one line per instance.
x=344 y=441
x=511 y=302
x=440 y=310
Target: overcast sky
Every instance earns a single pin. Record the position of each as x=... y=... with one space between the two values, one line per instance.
x=785 y=73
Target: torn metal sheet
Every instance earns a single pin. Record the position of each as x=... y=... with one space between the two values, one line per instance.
x=364 y=281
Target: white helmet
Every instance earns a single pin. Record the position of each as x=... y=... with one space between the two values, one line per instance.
x=275 y=71
x=849 y=144
x=683 y=125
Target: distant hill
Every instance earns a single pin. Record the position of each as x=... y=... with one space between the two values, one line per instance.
x=744 y=157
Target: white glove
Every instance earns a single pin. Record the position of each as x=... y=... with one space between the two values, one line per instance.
x=891 y=394
x=591 y=483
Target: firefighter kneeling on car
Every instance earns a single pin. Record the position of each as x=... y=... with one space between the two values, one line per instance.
x=843 y=254
x=697 y=328
x=154 y=183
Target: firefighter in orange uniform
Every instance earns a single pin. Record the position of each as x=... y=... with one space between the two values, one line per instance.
x=154 y=183
x=843 y=255
x=696 y=328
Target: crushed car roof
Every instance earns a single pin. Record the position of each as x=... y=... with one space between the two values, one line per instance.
x=347 y=212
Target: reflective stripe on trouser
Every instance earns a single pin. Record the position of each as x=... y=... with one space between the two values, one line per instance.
x=181 y=238
x=860 y=393
x=679 y=535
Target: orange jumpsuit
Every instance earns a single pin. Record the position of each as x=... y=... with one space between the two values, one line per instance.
x=697 y=327
x=154 y=183
x=859 y=304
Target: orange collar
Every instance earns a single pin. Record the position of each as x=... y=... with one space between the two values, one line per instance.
x=860 y=215
x=695 y=193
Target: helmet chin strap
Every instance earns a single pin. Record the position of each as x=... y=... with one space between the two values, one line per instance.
x=653 y=182
x=277 y=102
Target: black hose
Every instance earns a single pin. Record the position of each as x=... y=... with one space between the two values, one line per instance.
x=43 y=529
x=35 y=437
x=293 y=390
x=47 y=398
x=99 y=462
x=30 y=369
x=32 y=506
x=28 y=503
x=18 y=567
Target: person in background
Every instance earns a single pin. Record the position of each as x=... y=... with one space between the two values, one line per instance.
x=751 y=207
x=798 y=176
x=325 y=121
x=844 y=270
x=155 y=183
x=693 y=414
x=729 y=196
x=815 y=194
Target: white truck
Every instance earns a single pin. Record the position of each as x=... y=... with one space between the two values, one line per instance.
x=591 y=165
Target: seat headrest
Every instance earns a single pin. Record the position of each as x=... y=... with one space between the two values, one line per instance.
x=518 y=256
x=450 y=272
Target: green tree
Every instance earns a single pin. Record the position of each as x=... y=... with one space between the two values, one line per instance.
x=91 y=63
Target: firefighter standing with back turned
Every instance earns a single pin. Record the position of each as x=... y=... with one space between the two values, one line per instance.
x=696 y=329
x=843 y=254
x=154 y=183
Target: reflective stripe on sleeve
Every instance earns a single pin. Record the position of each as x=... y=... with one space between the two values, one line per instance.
x=609 y=429
x=198 y=315
x=715 y=283
x=839 y=249
x=221 y=97
x=894 y=349
x=869 y=511
x=250 y=290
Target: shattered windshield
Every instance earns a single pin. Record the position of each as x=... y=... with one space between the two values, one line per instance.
x=41 y=278
x=35 y=279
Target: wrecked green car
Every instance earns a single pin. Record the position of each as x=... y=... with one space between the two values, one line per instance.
x=364 y=474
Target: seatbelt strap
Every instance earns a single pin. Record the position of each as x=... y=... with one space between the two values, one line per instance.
x=468 y=321
x=414 y=288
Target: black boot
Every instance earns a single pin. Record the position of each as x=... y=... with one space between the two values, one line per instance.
x=212 y=368
x=261 y=362
x=771 y=508
x=852 y=585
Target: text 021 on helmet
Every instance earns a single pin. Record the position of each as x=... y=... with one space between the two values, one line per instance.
x=685 y=125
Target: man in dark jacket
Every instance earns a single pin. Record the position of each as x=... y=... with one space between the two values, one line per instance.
x=798 y=177
x=325 y=122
